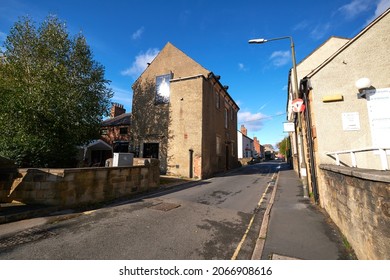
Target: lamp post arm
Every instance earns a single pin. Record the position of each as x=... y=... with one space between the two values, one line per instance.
x=279 y=38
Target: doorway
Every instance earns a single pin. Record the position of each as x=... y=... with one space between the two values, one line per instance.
x=227 y=157
x=151 y=150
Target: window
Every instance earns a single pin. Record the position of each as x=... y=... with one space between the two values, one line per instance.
x=103 y=131
x=123 y=130
x=218 y=146
x=217 y=100
x=226 y=118
x=163 y=89
x=231 y=113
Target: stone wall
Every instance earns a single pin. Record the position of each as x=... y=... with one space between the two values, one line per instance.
x=78 y=186
x=358 y=201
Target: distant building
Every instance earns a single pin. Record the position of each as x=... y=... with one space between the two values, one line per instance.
x=116 y=130
x=245 y=145
x=269 y=152
x=259 y=149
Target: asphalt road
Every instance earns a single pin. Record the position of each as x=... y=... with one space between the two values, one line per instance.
x=218 y=218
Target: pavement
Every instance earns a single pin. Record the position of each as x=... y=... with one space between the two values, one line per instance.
x=296 y=228
x=293 y=227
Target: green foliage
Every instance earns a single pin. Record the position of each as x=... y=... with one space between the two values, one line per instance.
x=284 y=146
x=53 y=95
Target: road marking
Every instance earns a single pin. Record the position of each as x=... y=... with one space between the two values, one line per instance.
x=282 y=257
x=237 y=251
x=260 y=242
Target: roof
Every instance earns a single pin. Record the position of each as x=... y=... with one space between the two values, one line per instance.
x=320 y=46
x=98 y=145
x=194 y=70
x=124 y=119
x=170 y=50
x=211 y=75
x=350 y=42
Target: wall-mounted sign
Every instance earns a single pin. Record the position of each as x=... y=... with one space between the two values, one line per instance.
x=297 y=105
x=378 y=104
x=288 y=127
x=350 y=121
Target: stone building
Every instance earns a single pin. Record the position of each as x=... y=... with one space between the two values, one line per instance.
x=346 y=131
x=183 y=116
x=307 y=65
x=334 y=105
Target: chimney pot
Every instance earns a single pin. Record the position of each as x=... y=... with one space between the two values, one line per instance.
x=244 y=130
x=116 y=110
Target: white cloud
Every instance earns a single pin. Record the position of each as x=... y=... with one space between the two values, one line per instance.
x=140 y=63
x=382 y=5
x=354 y=8
x=320 y=31
x=280 y=58
x=263 y=106
x=241 y=67
x=122 y=96
x=3 y=36
x=301 y=26
x=252 y=121
x=137 y=34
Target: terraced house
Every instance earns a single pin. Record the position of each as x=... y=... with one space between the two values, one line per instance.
x=184 y=116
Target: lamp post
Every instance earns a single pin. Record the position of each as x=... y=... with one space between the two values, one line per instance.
x=302 y=169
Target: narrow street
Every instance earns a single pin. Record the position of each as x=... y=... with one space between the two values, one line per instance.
x=218 y=218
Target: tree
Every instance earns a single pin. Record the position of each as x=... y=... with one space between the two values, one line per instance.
x=284 y=146
x=53 y=95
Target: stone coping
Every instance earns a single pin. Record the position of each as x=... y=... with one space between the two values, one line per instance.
x=366 y=174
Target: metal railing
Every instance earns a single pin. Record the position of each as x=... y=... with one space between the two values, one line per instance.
x=381 y=151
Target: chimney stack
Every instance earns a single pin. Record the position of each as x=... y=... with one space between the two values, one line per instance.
x=256 y=144
x=116 y=110
x=243 y=130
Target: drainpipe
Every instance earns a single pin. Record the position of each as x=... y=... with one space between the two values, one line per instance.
x=191 y=154
x=305 y=88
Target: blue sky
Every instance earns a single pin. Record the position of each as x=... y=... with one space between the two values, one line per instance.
x=125 y=35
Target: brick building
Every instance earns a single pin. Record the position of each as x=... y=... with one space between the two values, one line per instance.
x=183 y=116
x=115 y=130
x=259 y=149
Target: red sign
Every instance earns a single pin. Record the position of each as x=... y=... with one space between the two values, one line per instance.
x=297 y=105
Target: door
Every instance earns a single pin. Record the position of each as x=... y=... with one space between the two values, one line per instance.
x=227 y=157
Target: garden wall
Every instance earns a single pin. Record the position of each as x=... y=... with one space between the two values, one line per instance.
x=78 y=186
x=358 y=201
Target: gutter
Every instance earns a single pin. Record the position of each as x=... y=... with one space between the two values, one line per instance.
x=187 y=78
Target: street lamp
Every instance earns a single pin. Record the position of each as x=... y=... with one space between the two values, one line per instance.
x=262 y=41
x=303 y=172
